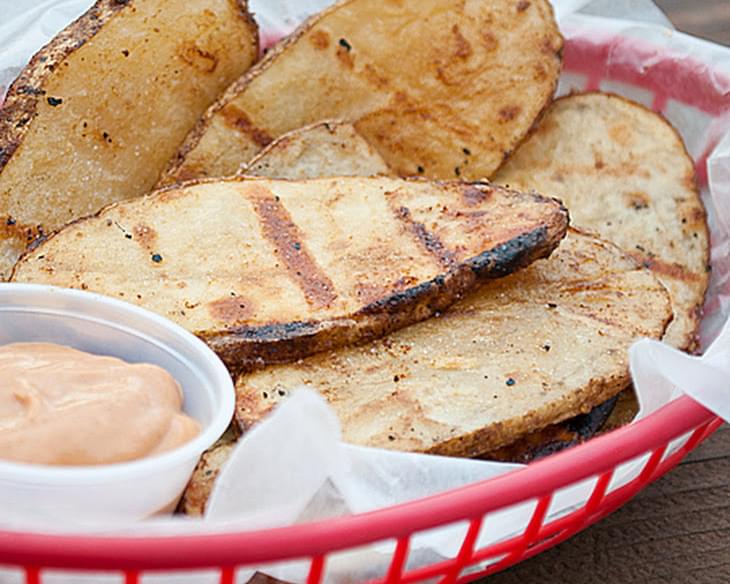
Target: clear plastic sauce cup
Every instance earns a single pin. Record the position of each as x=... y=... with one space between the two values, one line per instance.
x=97 y=324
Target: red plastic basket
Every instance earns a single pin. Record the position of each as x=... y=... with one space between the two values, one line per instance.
x=668 y=79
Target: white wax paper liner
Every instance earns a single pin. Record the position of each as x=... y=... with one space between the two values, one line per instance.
x=293 y=467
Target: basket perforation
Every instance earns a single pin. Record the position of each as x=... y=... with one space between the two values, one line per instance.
x=599 y=492
x=598 y=506
x=466 y=552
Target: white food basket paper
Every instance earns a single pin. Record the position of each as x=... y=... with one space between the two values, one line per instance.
x=293 y=467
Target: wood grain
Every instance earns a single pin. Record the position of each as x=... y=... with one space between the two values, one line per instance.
x=675 y=531
x=709 y=19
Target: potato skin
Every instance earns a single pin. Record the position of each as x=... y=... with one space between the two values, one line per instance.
x=59 y=118
x=453 y=105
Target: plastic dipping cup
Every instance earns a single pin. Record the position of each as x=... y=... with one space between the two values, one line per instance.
x=97 y=324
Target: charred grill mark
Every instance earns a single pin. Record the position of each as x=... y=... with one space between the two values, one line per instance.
x=509 y=256
x=288 y=241
x=395 y=302
x=500 y=261
x=369 y=292
x=674 y=271
x=585 y=286
x=276 y=332
x=231 y=310
x=245 y=348
x=474 y=196
x=429 y=241
x=236 y=118
x=556 y=437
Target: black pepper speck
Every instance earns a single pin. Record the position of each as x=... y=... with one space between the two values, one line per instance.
x=510 y=382
x=157 y=258
x=54 y=101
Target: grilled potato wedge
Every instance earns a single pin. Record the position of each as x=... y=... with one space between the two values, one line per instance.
x=203 y=479
x=438 y=87
x=100 y=110
x=623 y=172
x=520 y=353
x=323 y=149
x=555 y=437
x=269 y=271
x=206 y=472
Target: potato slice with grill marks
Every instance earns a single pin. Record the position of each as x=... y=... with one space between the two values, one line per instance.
x=624 y=173
x=442 y=88
x=518 y=354
x=322 y=149
x=272 y=270
x=98 y=112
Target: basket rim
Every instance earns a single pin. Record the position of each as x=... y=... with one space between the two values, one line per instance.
x=598 y=455
x=592 y=458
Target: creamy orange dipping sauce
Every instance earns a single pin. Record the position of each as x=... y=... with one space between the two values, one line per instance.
x=65 y=407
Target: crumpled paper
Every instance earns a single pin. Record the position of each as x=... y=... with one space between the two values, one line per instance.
x=294 y=468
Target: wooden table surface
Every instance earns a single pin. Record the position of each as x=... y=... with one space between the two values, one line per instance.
x=678 y=529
